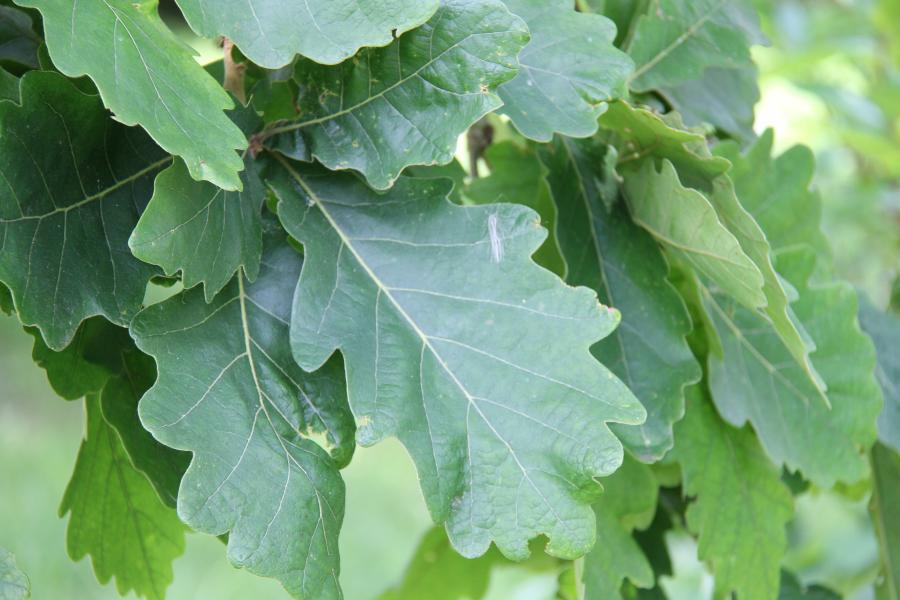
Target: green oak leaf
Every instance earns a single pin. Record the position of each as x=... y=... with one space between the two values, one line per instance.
x=438 y=572
x=147 y=76
x=883 y=508
x=884 y=329
x=75 y=183
x=628 y=503
x=9 y=86
x=14 y=584
x=163 y=466
x=740 y=507
x=793 y=589
x=686 y=223
x=607 y=252
x=203 y=231
x=677 y=40
x=723 y=98
x=453 y=171
x=794 y=426
x=462 y=347
x=757 y=380
x=569 y=69
x=518 y=176
x=18 y=41
x=229 y=392
x=271 y=33
x=86 y=364
x=642 y=133
x=405 y=104
x=117 y=517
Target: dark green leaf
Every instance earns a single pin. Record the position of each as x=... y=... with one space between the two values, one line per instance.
x=75 y=183
x=271 y=33
x=607 y=252
x=229 y=392
x=461 y=346
x=568 y=71
x=147 y=76
x=116 y=515
x=740 y=505
x=18 y=41
x=884 y=508
x=406 y=104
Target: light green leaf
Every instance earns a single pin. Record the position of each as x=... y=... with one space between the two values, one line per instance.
x=642 y=133
x=463 y=348
x=203 y=231
x=686 y=223
x=406 y=104
x=740 y=505
x=229 y=392
x=271 y=33
x=628 y=502
x=883 y=507
x=147 y=76
x=884 y=329
x=568 y=71
x=518 y=176
x=757 y=380
x=18 y=41
x=677 y=40
x=609 y=253
x=438 y=572
x=14 y=585
x=74 y=184
x=116 y=515
x=795 y=427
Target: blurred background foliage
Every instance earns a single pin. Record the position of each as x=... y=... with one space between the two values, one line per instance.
x=830 y=78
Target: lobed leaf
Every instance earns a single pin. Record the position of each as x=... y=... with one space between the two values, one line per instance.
x=607 y=252
x=628 y=502
x=677 y=40
x=406 y=104
x=463 y=348
x=229 y=392
x=271 y=33
x=569 y=69
x=74 y=185
x=884 y=329
x=116 y=515
x=740 y=506
x=146 y=76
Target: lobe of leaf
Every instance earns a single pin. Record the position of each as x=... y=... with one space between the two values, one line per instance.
x=568 y=71
x=462 y=347
x=74 y=185
x=884 y=329
x=271 y=33
x=405 y=104
x=229 y=392
x=146 y=76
